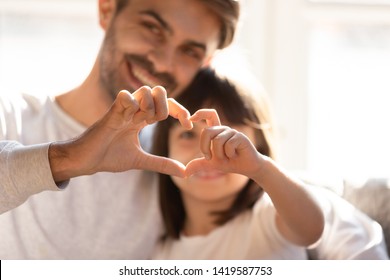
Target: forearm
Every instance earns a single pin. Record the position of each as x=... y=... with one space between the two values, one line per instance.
x=299 y=217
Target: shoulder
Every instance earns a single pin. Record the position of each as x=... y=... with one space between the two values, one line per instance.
x=264 y=207
x=348 y=233
x=20 y=101
x=16 y=109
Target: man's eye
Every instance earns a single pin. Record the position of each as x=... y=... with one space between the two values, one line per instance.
x=188 y=51
x=152 y=27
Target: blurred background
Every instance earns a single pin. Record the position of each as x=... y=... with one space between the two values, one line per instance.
x=324 y=63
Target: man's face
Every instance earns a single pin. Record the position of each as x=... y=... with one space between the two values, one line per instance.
x=154 y=42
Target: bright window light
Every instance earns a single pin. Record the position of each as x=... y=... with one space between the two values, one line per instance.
x=349 y=100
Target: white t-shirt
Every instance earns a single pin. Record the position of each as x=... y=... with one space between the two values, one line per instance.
x=348 y=234
x=250 y=235
x=103 y=216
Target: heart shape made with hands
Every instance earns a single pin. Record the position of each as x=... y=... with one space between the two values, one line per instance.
x=132 y=112
x=176 y=168
x=112 y=143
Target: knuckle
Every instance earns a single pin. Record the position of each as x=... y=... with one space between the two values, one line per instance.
x=159 y=91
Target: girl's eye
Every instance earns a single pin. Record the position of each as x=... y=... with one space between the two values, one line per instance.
x=187 y=135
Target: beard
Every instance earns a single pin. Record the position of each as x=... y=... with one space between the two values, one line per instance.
x=107 y=70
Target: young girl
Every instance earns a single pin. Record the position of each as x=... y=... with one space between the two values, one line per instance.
x=236 y=203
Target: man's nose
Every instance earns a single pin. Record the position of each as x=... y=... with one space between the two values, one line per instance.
x=163 y=59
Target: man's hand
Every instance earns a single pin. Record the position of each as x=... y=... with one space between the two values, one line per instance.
x=112 y=143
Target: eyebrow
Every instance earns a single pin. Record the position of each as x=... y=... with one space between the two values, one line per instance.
x=166 y=26
x=157 y=17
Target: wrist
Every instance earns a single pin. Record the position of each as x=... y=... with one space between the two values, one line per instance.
x=263 y=169
x=62 y=166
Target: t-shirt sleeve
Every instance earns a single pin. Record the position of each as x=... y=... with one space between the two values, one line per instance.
x=24 y=171
x=265 y=212
x=348 y=232
x=273 y=244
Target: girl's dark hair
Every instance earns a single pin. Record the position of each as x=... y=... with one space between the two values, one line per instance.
x=227 y=11
x=237 y=108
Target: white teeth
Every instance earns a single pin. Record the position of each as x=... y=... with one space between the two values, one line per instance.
x=143 y=78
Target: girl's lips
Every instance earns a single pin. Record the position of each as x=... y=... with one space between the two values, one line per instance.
x=209 y=174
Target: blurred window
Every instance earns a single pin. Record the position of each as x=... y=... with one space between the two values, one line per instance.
x=46 y=47
x=349 y=95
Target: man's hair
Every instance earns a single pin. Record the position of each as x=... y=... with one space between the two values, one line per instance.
x=120 y=4
x=227 y=11
x=238 y=107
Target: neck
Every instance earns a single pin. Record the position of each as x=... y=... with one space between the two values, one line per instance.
x=88 y=102
x=199 y=220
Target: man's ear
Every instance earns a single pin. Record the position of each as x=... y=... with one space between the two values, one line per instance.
x=106 y=12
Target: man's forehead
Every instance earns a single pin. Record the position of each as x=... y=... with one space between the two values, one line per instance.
x=189 y=17
x=193 y=10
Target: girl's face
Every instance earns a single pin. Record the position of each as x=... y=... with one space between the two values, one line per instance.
x=210 y=185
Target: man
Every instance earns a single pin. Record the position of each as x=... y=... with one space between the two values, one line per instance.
x=104 y=216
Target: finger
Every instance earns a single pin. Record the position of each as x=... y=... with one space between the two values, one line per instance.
x=209 y=115
x=232 y=145
x=125 y=104
x=145 y=100
x=206 y=137
x=219 y=143
x=197 y=165
x=179 y=112
x=163 y=165
x=159 y=95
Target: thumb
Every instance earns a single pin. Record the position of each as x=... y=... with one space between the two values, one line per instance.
x=197 y=165
x=163 y=165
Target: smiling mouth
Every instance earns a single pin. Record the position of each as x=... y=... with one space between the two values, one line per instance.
x=140 y=77
x=143 y=76
x=141 y=72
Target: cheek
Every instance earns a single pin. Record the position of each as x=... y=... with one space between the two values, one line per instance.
x=180 y=183
x=129 y=43
x=184 y=156
x=238 y=181
x=179 y=153
x=175 y=154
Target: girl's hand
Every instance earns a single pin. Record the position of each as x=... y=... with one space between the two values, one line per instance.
x=224 y=148
x=299 y=217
